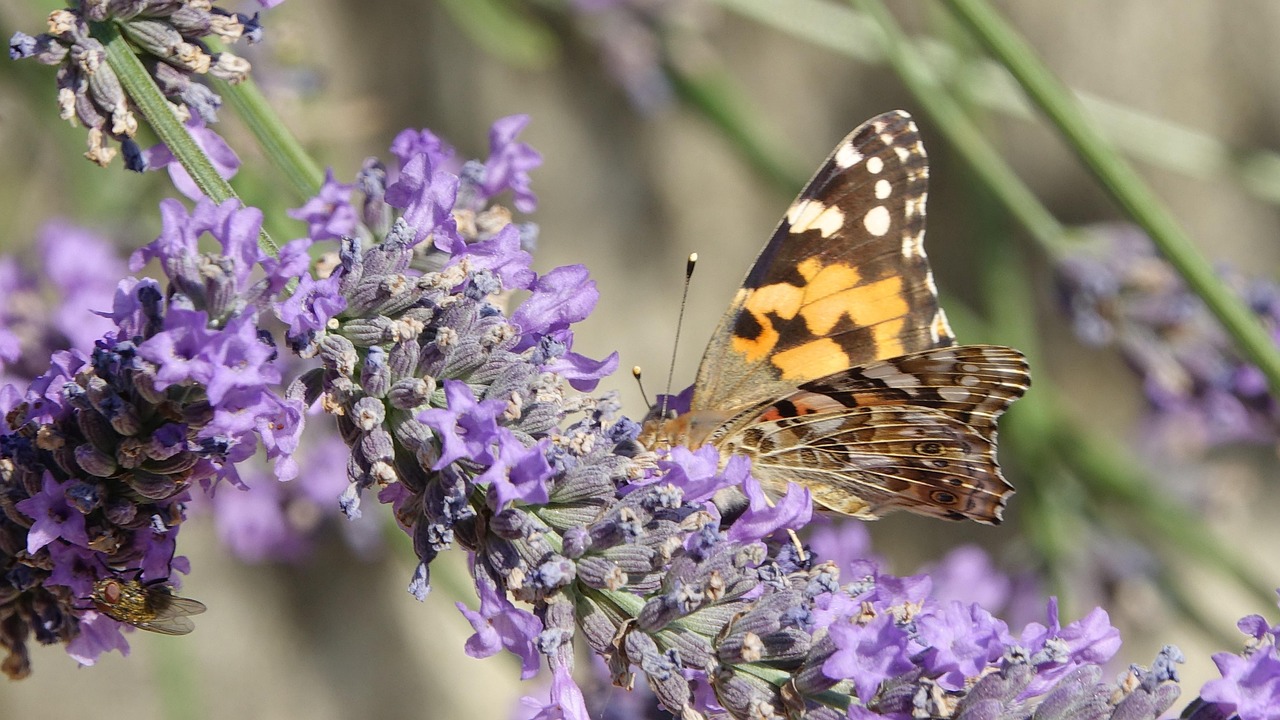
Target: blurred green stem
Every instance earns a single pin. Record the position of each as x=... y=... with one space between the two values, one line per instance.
x=278 y=143
x=965 y=137
x=1124 y=184
x=1118 y=477
x=158 y=113
x=1154 y=140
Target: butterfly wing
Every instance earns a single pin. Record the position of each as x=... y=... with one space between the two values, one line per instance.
x=973 y=384
x=916 y=431
x=866 y=461
x=844 y=281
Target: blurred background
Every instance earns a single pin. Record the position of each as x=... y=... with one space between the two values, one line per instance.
x=674 y=126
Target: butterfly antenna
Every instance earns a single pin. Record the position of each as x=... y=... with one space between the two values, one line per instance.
x=635 y=372
x=675 y=345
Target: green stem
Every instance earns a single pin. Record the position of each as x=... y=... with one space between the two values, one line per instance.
x=1145 y=137
x=1119 y=178
x=1112 y=474
x=965 y=137
x=158 y=113
x=279 y=144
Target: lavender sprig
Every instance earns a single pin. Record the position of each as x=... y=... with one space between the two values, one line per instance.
x=168 y=36
x=457 y=414
x=100 y=452
x=1200 y=391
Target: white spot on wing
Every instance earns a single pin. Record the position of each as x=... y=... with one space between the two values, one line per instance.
x=883 y=189
x=915 y=206
x=809 y=215
x=874 y=165
x=826 y=427
x=877 y=220
x=940 y=328
x=954 y=394
x=889 y=375
x=848 y=156
x=913 y=245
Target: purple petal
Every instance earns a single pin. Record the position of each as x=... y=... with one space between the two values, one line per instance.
x=763 y=518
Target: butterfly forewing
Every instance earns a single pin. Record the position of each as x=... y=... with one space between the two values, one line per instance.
x=844 y=280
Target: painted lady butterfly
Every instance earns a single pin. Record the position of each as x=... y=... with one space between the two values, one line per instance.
x=834 y=366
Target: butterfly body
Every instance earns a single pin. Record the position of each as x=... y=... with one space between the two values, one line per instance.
x=834 y=366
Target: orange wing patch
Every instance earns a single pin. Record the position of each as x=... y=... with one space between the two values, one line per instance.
x=831 y=293
x=820 y=357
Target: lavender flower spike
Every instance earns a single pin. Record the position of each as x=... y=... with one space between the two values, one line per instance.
x=101 y=452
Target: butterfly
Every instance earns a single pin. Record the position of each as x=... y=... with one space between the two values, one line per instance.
x=835 y=367
x=148 y=606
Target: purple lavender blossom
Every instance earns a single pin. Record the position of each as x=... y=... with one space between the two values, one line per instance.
x=55 y=518
x=224 y=159
x=329 y=215
x=426 y=194
x=459 y=416
x=509 y=164
x=1200 y=391
x=867 y=653
x=54 y=306
x=1249 y=688
x=501 y=625
x=104 y=447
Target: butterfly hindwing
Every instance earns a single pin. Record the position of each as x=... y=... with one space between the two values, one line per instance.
x=844 y=281
x=971 y=383
x=866 y=461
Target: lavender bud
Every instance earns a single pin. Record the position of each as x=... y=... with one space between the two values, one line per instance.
x=404 y=358
x=980 y=710
x=375 y=376
x=228 y=26
x=230 y=67
x=1078 y=694
x=367 y=413
x=601 y=573
x=338 y=354
x=583 y=483
x=191 y=19
x=512 y=524
x=150 y=485
x=661 y=669
x=410 y=393
x=155 y=37
x=369 y=331
x=85 y=497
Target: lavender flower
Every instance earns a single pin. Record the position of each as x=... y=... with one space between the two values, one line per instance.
x=77 y=271
x=1200 y=391
x=167 y=34
x=458 y=415
x=1249 y=688
x=100 y=452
